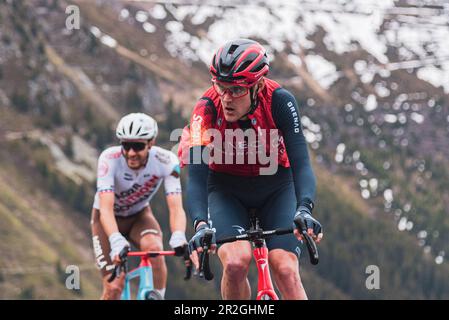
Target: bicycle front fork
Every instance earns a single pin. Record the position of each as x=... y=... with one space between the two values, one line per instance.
x=265 y=289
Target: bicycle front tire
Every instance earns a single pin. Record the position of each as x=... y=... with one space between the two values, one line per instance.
x=153 y=295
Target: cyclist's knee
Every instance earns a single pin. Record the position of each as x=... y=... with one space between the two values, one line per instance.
x=236 y=269
x=150 y=243
x=285 y=267
x=286 y=271
x=237 y=265
x=236 y=258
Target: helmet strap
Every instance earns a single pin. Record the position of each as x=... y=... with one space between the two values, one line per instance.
x=254 y=101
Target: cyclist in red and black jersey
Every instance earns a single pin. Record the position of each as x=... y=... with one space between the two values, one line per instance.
x=245 y=149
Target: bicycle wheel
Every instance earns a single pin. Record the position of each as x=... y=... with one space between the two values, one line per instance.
x=153 y=295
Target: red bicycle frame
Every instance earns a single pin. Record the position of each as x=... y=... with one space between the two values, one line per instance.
x=264 y=284
x=257 y=237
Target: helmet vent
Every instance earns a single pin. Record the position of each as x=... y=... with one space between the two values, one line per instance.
x=131 y=127
x=225 y=69
x=259 y=67
x=232 y=48
x=243 y=66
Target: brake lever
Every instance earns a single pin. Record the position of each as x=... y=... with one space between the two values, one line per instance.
x=204 y=258
x=188 y=263
x=310 y=243
x=123 y=265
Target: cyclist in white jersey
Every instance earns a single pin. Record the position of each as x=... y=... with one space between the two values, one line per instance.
x=128 y=177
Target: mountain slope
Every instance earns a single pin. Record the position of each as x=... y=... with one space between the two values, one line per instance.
x=374 y=117
x=39 y=238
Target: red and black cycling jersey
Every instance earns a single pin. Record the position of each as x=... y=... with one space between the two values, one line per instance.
x=276 y=109
x=256 y=137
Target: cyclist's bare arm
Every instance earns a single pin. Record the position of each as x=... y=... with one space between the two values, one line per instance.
x=178 y=220
x=107 y=217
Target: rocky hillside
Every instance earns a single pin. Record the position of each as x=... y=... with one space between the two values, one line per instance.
x=372 y=82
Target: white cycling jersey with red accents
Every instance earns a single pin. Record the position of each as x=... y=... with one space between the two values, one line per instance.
x=134 y=189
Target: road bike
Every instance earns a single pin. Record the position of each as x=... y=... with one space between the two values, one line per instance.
x=144 y=272
x=256 y=235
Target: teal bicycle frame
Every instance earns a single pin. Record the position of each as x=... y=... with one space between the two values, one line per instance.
x=144 y=272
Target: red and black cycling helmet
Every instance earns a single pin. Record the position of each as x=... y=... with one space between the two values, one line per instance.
x=239 y=62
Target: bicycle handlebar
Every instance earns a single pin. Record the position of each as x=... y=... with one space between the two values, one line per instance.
x=125 y=253
x=251 y=235
x=258 y=235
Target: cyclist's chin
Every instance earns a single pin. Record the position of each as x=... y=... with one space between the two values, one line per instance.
x=231 y=116
x=134 y=164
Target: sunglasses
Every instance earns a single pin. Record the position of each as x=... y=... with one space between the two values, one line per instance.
x=136 y=146
x=234 y=91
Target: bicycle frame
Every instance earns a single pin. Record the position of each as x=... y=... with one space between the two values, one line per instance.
x=144 y=272
x=257 y=237
x=264 y=283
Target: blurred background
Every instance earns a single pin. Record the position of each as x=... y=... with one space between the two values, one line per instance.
x=372 y=81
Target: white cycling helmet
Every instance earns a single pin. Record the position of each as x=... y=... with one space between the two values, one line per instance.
x=136 y=126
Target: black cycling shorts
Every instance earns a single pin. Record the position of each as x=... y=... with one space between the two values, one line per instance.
x=273 y=196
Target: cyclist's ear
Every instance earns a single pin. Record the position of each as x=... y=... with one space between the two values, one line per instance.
x=258 y=87
x=261 y=84
x=151 y=142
